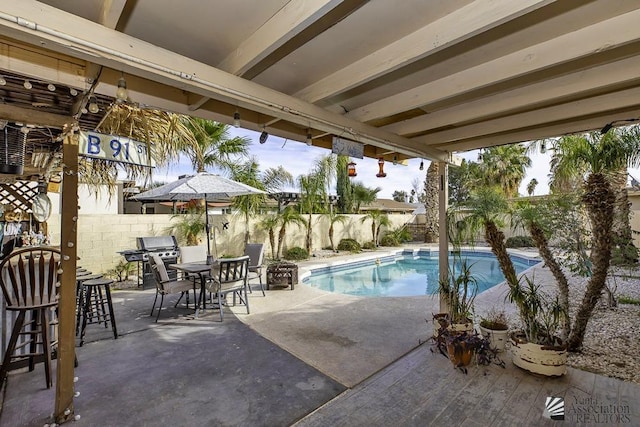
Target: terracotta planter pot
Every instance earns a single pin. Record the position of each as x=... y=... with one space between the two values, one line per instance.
x=459 y=354
x=498 y=338
x=538 y=359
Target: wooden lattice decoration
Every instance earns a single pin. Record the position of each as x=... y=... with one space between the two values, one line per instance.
x=19 y=194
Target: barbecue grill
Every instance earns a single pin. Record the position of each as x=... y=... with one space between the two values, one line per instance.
x=165 y=246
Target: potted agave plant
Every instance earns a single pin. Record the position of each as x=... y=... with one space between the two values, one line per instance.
x=494 y=327
x=537 y=347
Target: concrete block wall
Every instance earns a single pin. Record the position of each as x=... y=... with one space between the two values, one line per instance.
x=100 y=237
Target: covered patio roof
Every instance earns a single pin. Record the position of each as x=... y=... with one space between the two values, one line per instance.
x=407 y=79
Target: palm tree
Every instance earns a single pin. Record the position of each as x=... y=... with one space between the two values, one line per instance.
x=212 y=146
x=287 y=217
x=531 y=186
x=314 y=193
x=188 y=227
x=272 y=180
x=363 y=195
x=378 y=219
x=534 y=218
x=506 y=165
x=269 y=223
x=600 y=155
x=488 y=206
x=334 y=218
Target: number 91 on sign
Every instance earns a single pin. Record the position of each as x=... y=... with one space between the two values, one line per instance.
x=116 y=148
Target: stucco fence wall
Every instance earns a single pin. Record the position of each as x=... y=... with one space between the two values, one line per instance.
x=100 y=237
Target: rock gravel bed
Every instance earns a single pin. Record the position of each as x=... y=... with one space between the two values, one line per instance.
x=612 y=343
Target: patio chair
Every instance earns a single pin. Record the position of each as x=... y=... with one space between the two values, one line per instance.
x=30 y=280
x=230 y=276
x=255 y=251
x=166 y=285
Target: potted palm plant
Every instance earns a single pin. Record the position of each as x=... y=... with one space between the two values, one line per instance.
x=537 y=347
x=459 y=290
x=494 y=327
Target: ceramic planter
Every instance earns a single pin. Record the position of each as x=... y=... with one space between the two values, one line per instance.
x=538 y=359
x=498 y=338
x=454 y=327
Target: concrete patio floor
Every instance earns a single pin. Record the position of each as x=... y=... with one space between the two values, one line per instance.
x=302 y=357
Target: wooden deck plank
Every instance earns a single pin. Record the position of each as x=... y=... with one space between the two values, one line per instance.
x=490 y=405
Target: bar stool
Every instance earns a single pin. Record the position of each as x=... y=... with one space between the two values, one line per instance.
x=80 y=278
x=95 y=291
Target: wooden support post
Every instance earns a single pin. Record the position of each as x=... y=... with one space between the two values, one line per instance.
x=64 y=410
x=443 y=235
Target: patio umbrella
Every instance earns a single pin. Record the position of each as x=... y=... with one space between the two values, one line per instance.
x=202 y=185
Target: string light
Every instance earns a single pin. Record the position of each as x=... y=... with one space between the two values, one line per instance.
x=309 y=140
x=93 y=105
x=2 y=81
x=421 y=164
x=236 y=119
x=27 y=85
x=73 y=92
x=121 y=93
x=51 y=87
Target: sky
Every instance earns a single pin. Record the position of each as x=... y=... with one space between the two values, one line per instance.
x=298 y=159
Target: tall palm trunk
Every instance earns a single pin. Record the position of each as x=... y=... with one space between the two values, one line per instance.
x=541 y=242
x=431 y=204
x=496 y=241
x=599 y=200
x=626 y=251
x=281 y=234
x=331 y=237
x=272 y=241
x=309 y=240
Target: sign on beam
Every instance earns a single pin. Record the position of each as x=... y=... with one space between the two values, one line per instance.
x=116 y=148
x=348 y=148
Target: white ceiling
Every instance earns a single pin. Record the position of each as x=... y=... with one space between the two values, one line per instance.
x=413 y=77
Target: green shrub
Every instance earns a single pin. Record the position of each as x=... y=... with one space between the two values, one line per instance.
x=296 y=254
x=389 y=239
x=349 y=245
x=519 y=242
x=369 y=245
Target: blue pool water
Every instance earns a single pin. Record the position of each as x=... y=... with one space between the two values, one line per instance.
x=406 y=275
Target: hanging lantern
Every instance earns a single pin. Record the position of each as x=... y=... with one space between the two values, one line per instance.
x=12 y=150
x=351 y=170
x=381 y=173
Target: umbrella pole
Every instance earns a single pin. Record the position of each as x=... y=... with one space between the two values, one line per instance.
x=208 y=228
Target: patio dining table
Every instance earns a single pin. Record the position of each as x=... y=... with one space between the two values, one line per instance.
x=200 y=269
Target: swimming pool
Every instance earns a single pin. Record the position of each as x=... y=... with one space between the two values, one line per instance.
x=407 y=274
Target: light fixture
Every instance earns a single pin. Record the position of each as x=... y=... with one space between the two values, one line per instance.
x=309 y=139
x=73 y=92
x=84 y=110
x=122 y=93
x=421 y=165
x=351 y=170
x=93 y=105
x=381 y=173
x=27 y=84
x=263 y=137
x=3 y=81
x=395 y=160
x=236 y=119
x=51 y=87
x=606 y=128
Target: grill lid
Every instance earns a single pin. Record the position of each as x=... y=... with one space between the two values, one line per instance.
x=154 y=243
